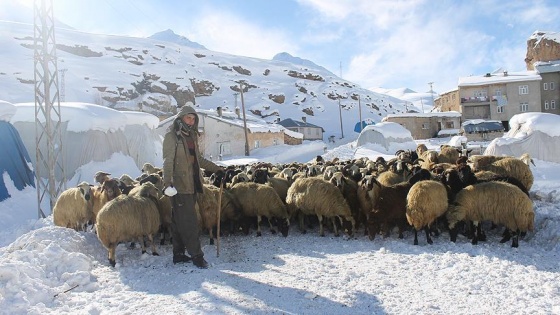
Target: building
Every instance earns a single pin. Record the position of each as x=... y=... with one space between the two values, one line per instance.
x=550 y=91
x=222 y=133
x=499 y=95
x=309 y=131
x=427 y=125
x=448 y=101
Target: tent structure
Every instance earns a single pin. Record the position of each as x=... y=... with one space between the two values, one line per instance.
x=534 y=133
x=94 y=133
x=14 y=162
x=386 y=137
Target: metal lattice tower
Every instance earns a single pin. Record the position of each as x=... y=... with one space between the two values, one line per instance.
x=48 y=137
x=62 y=85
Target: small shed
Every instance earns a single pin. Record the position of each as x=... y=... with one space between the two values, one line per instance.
x=482 y=130
x=309 y=131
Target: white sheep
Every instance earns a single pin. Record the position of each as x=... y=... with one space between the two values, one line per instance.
x=149 y=168
x=73 y=208
x=129 y=217
x=512 y=167
x=499 y=202
x=425 y=202
x=258 y=200
x=315 y=196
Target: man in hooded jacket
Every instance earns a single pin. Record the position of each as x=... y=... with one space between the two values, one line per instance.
x=182 y=165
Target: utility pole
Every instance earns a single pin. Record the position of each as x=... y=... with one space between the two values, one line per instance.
x=360 y=111
x=431 y=92
x=244 y=119
x=48 y=139
x=340 y=114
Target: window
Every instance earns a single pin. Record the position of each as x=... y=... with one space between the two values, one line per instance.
x=500 y=109
x=498 y=92
x=523 y=107
x=546 y=105
x=257 y=144
x=553 y=104
x=425 y=126
x=275 y=141
x=449 y=125
x=551 y=85
x=545 y=86
x=523 y=89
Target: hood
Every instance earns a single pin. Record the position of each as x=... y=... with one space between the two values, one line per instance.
x=188 y=109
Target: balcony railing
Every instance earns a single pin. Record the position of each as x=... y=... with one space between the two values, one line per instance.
x=479 y=99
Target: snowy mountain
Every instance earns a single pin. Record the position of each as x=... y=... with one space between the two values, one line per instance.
x=170 y=36
x=161 y=73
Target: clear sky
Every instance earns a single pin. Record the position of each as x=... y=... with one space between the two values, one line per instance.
x=374 y=43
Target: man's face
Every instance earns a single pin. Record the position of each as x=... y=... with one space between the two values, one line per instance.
x=189 y=119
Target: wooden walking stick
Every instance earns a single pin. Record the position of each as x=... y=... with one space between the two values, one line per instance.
x=218 y=221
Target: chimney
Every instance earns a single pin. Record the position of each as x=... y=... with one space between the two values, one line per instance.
x=219 y=110
x=238 y=112
x=304 y=119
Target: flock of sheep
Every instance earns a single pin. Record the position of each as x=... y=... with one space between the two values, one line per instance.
x=424 y=190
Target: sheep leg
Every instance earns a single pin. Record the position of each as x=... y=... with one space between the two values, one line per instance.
x=321 y=231
x=272 y=222
x=453 y=232
x=481 y=235
x=335 y=227
x=475 y=235
x=112 y=249
x=506 y=236
x=154 y=250
x=415 y=237
x=301 y=224
x=428 y=237
x=211 y=235
x=515 y=241
x=142 y=244
x=259 y=219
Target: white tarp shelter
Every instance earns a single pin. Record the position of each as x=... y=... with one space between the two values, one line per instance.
x=94 y=133
x=386 y=137
x=535 y=133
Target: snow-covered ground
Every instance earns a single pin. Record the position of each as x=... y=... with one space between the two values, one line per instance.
x=51 y=270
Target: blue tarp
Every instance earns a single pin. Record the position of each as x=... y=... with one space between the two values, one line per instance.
x=14 y=160
x=365 y=123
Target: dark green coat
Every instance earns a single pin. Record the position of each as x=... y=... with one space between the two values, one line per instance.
x=177 y=170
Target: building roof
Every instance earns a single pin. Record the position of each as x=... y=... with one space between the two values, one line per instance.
x=434 y=114
x=290 y=123
x=547 y=66
x=254 y=124
x=499 y=77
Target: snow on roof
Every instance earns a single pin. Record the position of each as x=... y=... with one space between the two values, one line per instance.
x=83 y=117
x=293 y=134
x=478 y=121
x=254 y=124
x=434 y=114
x=547 y=66
x=494 y=78
x=390 y=129
x=7 y=110
x=524 y=124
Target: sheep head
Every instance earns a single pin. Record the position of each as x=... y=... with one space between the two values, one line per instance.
x=85 y=190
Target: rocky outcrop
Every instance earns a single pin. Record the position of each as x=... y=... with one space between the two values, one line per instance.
x=542 y=46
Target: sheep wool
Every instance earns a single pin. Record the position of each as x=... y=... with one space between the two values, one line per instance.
x=128 y=218
x=315 y=196
x=258 y=200
x=425 y=202
x=73 y=208
x=499 y=202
